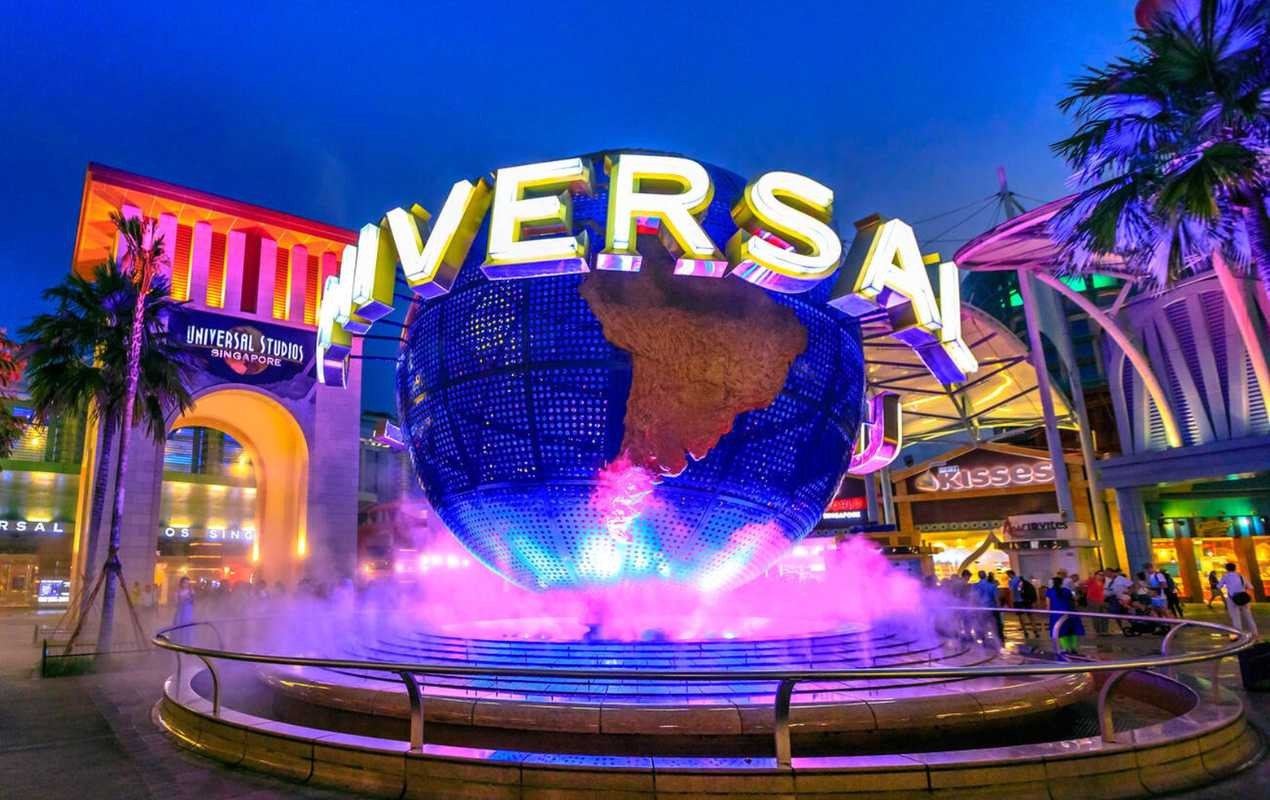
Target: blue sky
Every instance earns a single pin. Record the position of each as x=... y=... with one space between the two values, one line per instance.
x=338 y=112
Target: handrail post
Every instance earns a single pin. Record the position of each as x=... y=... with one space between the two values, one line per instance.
x=416 y=710
x=1105 y=724
x=1058 y=626
x=1168 y=639
x=780 y=727
x=215 y=685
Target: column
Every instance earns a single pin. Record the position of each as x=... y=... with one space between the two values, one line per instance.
x=235 y=253
x=871 y=497
x=299 y=276
x=888 y=503
x=267 y=279
x=1134 y=527
x=200 y=263
x=1192 y=586
x=1027 y=290
x=1246 y=557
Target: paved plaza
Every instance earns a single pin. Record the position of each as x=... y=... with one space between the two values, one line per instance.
x=92 y=735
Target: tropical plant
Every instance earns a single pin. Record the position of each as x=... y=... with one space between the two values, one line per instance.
x=79 y=361
x=11 y=426
x=1172 y=155
x=1172 y=152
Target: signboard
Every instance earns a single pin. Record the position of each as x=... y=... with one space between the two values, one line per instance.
x=247 y=351
x=53 y=592
x=32 y=527
x=849 y=508
x=1207 y=528
x=985 y=470
x=1042 y=526
x=207 y=534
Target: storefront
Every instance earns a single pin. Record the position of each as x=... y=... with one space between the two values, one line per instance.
x=1197 y=528
x=39 y=484
x=955 y=507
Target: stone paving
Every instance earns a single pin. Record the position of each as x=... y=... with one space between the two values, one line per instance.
x=91 y=736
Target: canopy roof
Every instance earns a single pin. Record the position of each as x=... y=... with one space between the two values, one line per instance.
x=1000 y=398
x=1024 y=242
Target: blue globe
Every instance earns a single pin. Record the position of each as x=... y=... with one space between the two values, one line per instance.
x=513 y=403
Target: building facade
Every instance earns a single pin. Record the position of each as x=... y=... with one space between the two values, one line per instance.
x=259 y=479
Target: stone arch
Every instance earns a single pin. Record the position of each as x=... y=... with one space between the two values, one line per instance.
x=280 y=454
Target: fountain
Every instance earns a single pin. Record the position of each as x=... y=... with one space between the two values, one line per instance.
x=626 y=454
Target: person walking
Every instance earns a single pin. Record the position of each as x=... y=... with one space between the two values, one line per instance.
x=1214 y=589
x=1022 y=599
x=1096 y=596
x=985 y=595
x=1059 y=598
x=1172 y=596
x=1238 y=600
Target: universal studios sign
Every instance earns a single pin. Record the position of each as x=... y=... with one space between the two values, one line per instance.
x=784 y=242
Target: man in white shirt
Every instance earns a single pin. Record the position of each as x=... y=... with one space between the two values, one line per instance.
x=1117 y=585
x=1240 y=615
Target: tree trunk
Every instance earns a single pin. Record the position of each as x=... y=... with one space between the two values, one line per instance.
x=112 y=567
x=101 y=479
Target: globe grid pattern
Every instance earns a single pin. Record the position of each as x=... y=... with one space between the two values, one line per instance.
x=512 y=401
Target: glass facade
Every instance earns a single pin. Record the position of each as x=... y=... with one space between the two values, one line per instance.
x=39 y=488
x=207 y=510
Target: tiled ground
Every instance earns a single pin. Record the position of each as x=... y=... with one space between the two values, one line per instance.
x=89 y=737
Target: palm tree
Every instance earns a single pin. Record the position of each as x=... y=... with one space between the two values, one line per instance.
x=1172 y=156
x=78 y=362
x=1172 y=152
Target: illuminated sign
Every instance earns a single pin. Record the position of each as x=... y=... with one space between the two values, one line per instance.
x=53 y=592
x=784 y=242
x=846 y=508
x=208 y=534
x=245 y=352
x=995 y=476
x=34 y=527
x=1027 y=527
x=881 y=435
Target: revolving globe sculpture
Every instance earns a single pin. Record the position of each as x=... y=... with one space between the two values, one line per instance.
x=584 y=429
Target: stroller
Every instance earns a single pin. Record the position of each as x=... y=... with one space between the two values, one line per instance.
x=1143 y=620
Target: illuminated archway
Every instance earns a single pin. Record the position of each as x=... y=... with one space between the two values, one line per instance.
x=276 y=444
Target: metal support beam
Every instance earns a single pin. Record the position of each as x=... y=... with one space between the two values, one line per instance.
x=1027 y=290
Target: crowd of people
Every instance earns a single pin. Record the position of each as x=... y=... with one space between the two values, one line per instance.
x=1149 y=593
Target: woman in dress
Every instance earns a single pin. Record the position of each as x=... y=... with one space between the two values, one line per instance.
x=1060 y=598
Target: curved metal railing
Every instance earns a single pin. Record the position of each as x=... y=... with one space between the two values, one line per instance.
x=785 y=679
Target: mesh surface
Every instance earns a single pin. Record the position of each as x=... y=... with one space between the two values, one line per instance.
x=512 y=400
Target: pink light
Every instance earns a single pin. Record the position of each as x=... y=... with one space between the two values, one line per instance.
x=621 y=494
x=853 y=583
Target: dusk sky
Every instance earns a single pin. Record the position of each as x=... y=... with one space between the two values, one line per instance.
x=337 y=112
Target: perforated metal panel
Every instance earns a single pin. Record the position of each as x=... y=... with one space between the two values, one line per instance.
x=512 y=400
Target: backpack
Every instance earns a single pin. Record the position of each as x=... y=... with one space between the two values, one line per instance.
x=1027 y=591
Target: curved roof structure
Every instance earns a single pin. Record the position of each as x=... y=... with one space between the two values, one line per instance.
x=1024 y=242
x=1000 y=398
